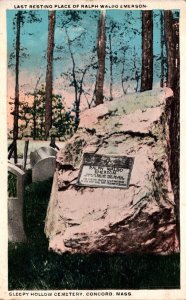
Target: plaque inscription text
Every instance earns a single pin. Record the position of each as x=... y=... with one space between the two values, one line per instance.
x=105 y=171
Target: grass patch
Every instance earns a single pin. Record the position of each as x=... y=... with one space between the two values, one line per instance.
x=32 y=266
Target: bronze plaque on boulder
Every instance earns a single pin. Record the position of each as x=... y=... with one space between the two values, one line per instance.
x=105 y=171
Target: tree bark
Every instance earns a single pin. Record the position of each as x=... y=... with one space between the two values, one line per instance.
x=123 y=72
x=16 y=103
x=101 y=45
x=173 y=81
x=170 y=45
x=49 y=74
x=147 y=51
x=111 y=65
x=162 y=41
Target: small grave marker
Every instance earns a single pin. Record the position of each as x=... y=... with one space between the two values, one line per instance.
x=43 y=163
x=16 y=231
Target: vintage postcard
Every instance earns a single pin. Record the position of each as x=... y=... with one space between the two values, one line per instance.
x=92 y=149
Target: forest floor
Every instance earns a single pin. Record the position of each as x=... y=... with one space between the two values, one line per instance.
x=45 y=270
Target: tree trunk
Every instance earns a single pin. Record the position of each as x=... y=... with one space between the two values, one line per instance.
x=111 y=65
x=123 y=72
x=147 y=51
x=34 y=118
x=75 y=84
x=49 y=74
x=173 y=81
x=101 y=45
x=16 y=103
x=170 y=45
x=162 y=41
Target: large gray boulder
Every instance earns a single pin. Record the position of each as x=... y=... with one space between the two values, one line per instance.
x=138 y=219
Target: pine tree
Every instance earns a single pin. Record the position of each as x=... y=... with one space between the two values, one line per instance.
x=147 y=51
x=49 y=74
x=20 y=18
x=101 y=45
x=170 y=45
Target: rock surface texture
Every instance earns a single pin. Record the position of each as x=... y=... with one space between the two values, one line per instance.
x=139 y=219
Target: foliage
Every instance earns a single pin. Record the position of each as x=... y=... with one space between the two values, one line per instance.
x=63 y=120
x=41 y=269
x=122 y=55
x=73 y=41
x=79 y=74
x=25 y=17
x=33 y=116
